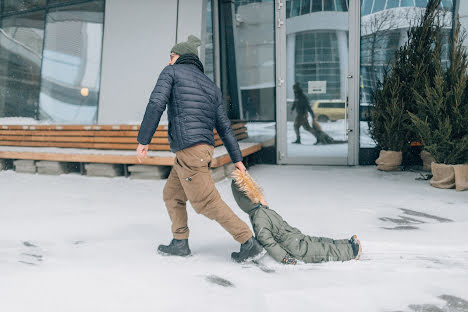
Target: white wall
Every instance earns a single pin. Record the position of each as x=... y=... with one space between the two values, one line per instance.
x=138 y=36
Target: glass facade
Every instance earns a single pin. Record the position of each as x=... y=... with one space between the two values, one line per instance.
x=208 y=42
x=50 y=56
x=317 y=53
x=384 y=26
x=21 y=42
x=248 y=61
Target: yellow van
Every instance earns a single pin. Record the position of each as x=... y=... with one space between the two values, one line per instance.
x=326 y=110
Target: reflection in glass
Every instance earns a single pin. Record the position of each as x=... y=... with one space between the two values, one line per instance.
x=21 y=5
x=381 y=35
x=249 y=81
x=248 y=69
x=207 y=50
x=21 y=40
x=421 y=3
x=72 y=63
x=316 y=5
x=316 y=67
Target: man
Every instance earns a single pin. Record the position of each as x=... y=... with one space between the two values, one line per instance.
x=195 y=108
x=302 y=107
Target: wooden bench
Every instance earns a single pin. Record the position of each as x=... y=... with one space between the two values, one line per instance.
x=111 y=144
x=116 y=137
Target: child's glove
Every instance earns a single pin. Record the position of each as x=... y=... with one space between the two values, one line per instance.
x=289 y=260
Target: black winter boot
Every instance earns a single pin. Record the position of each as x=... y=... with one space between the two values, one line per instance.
x=177 y=247
x=249 y=249
x=356 y=246
x=298 y=141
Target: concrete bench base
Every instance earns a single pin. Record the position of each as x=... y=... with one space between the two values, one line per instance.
x=104 y=170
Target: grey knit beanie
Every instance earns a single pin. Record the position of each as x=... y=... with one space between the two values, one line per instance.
x=190 y=46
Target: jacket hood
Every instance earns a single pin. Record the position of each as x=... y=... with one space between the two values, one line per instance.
x=243 y=201
x=246 y=191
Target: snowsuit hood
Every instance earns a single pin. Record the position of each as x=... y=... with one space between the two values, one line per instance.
x=246 y=192
x=243 y=201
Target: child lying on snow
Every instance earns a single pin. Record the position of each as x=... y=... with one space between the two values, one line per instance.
x=283 y=242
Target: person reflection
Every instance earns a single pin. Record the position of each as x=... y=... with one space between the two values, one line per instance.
x=302 y=107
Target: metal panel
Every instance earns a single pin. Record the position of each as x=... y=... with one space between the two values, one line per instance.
x=353 y=83
x=281 y=113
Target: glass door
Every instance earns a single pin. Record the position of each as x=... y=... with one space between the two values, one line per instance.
x=317 y=71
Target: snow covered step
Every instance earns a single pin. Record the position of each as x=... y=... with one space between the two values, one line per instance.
x=104 y=170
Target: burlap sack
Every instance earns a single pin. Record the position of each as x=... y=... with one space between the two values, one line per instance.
x=427 y=160
x=443 y=176
x=461 y=177
x=389 y=160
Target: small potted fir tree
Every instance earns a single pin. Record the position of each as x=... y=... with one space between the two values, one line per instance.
x=442 y=121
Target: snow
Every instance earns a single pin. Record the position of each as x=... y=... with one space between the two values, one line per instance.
x=97 y=238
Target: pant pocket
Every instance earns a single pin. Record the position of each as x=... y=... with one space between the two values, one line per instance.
x=199 y=188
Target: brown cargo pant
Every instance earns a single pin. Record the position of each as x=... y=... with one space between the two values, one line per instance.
x=190 y=179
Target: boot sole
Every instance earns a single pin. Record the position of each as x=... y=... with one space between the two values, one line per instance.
x=162 y=253
x=253 y=258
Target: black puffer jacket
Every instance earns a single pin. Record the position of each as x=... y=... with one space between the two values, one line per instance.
x=195 y=108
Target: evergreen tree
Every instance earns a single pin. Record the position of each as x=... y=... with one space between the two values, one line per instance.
x=412 y=68
x=442 y=121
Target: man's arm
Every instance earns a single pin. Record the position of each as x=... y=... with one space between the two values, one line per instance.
x=156 y=105
x=223 y=126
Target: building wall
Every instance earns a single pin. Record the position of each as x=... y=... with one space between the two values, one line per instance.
x=138 y=36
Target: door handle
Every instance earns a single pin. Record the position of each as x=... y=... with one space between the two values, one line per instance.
x=349 y=76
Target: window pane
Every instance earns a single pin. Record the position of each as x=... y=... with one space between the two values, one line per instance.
x=316 y=5
x=366 y=7
x=379 y=5
x=341 y=5
x=381 y=36
x=72 y=63
x=20 y=64
x=296 y=7
x=58 y=1
x=447 y=4
x=329 y=5
x=305 y=7
x=421 y=3
x=21 y=5
x=207 y=54
x=392 y=4
x=407 y=3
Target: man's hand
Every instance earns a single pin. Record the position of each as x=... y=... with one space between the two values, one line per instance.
x=142 y=152
x=239 y=165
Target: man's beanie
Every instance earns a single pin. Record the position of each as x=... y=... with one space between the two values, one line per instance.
x=190 y=46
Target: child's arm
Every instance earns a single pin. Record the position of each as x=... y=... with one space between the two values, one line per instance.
x=267 y=240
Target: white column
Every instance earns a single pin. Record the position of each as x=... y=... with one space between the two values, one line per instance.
x=290 y=65
x=344 y=55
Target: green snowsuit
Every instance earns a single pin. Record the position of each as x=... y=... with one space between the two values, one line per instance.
x=280 y=239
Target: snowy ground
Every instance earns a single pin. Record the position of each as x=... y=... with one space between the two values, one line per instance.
x=76 y=243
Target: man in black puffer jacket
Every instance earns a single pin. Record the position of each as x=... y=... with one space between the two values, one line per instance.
x=195 y=108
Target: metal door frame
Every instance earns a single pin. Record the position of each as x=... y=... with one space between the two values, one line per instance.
x=353 y=77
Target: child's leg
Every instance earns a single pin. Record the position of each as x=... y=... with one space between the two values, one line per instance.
x=320 y=249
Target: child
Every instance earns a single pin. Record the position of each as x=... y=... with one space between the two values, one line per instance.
x=283 y=242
